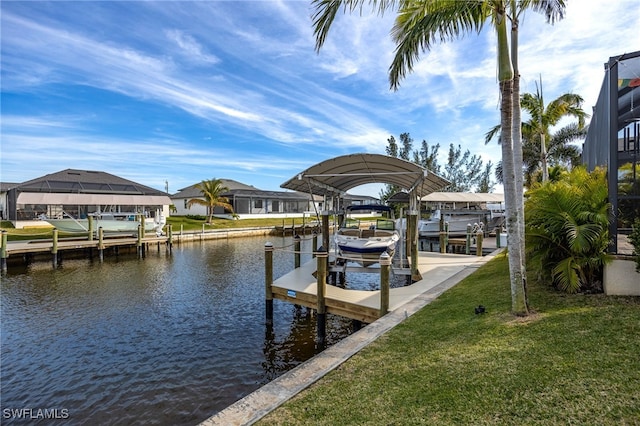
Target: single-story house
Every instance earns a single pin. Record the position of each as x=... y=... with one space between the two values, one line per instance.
x=77 y=193
x=249 y=201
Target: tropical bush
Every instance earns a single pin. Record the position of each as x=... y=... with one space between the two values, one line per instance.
x=568 y=230
x=634 y=238
x=197 y=217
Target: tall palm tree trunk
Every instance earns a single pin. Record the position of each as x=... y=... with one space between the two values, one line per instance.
x=512 y=204
x=520 y=306
x=543 y=158
x=518 y=297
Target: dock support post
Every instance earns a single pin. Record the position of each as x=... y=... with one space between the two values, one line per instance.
x=385 y=266
x=323 y=257
x=296 y=249
x=169 y=238
x=268 y=282
x=479 y=237
x=54 y=247
x=101 y=243
x=91 y=225
x=415 y=274
x=325 y=230
x=3 y=251
x=139 y=242
x=315 y=244
x=498 y=245
x=467 y=249
x=443 y=242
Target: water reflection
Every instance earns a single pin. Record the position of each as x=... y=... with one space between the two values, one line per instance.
x=169 y=339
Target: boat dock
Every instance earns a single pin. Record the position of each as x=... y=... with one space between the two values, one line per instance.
x=55 y=246
x=302 y=285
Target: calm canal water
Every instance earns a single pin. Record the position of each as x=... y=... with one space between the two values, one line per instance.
x=167 y=340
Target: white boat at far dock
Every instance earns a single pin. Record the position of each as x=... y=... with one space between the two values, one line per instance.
x=458 y=210
x=455 y=223
x=110 y=222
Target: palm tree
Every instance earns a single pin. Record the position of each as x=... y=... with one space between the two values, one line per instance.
x=560 y=152
x=543 y=118
x=418 y=25
x=552 y=9
x=541 y=148
x=211 y=190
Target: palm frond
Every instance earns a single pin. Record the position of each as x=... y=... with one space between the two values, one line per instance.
x=566 y=276
x=419 y=25
x=553 y=10
x=326 y=11
x=491 y=134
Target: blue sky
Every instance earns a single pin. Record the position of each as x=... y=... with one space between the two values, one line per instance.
x=183 y=91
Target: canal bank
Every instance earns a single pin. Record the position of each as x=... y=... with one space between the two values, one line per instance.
x=217 y=234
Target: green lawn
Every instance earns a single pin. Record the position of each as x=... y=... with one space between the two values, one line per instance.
x=575 y=361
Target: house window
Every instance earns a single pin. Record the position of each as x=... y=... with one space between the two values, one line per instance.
x=257 y=204
x=185 y=204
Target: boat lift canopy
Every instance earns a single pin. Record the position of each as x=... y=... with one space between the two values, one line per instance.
x=334 y=177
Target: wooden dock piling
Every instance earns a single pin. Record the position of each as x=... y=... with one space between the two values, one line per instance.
x=54 y=248
x=3 y=251
x=385 y=267
x=321 y=321
x=101 y=244
x=412 y=224
x=314 y=246
x=296 y=245
x=91 y=225
x=268 y=281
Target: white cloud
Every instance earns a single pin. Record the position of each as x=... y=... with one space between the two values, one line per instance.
x=190 y=47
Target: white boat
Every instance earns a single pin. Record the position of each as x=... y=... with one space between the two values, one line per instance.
x=110 y=222
x=364 y=246
x=456 y=223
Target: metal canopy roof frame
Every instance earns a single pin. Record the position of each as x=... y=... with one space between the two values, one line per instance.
x=334 y=177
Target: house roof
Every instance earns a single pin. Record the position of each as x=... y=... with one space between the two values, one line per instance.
x=337 y=175
x=5 y=186
x=87 y=182
x=193 y=192
x=72 y=186
x=240 y=189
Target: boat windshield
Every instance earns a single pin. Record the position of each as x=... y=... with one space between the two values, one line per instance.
x=385 y=224
x=351 y=224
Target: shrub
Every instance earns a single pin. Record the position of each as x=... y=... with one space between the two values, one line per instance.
x=634 y=238
x=568 y=230
x=196 y=217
